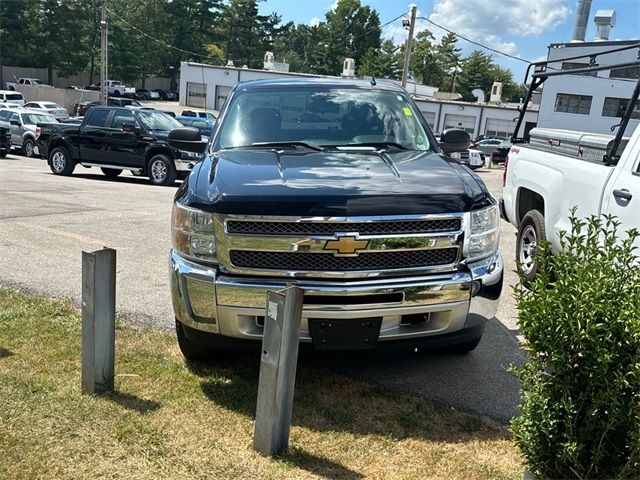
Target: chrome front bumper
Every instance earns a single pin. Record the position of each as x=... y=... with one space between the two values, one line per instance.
x=205 y=300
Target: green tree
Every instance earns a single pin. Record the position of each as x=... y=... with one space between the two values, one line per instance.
x=449 y=60
x=476 y=73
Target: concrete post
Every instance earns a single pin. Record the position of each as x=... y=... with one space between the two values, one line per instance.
x=98 y=320
x=278 y=364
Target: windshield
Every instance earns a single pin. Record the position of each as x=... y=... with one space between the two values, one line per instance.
x=327 y=117
x=36 y=118
x=157 y=120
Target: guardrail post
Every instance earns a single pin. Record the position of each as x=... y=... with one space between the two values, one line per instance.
x=98 y=320
x=279 y=359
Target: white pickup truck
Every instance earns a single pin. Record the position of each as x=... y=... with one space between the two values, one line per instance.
x=559 y=170
x=118 y=89
x=25 y=81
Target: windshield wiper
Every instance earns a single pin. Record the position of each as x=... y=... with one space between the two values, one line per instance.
x=310 y=146
x=397 y=145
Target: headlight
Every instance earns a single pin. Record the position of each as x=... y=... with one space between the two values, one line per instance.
x=190 y=155
x=192 y=233
x=484 y=232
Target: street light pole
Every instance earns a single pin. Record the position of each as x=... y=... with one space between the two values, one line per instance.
x=407 y=53
x=104 y=57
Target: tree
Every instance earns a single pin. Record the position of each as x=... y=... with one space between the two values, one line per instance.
x=449 y=60
x=476 y=73
x=424 y=63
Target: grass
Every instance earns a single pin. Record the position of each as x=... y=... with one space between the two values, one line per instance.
x=168 y=419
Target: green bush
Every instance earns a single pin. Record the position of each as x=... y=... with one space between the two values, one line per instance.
x=580 y=407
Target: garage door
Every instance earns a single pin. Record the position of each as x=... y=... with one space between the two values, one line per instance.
x=197 y=94
x=464 y=122
x=430 y=117
x=499 y=128
x=222 y=92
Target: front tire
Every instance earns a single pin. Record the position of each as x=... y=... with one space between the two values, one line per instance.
x=531 y=234
x=60 y=161
x=111 y=172
x=28 y=148
x=192 y=351
x=161 y=170
x=116 y=93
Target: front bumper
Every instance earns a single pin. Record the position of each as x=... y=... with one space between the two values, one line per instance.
x=230 y=306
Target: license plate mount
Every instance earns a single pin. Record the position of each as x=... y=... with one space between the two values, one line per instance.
x=345 y=334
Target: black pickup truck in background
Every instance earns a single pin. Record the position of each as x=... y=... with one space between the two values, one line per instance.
x=117 y=139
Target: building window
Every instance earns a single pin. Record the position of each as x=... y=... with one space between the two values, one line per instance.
x=615 y=107
x=567 y=103
x=576 y=65
x=625 y=72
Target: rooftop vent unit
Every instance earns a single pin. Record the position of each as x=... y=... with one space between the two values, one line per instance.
x=349 y=68
x=582 y=17
x=269 y=61
x=605 y=20
x=496 y=93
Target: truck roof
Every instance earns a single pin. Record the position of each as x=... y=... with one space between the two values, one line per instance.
x=380 y=84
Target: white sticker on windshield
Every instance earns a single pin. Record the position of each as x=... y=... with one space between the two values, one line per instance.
x=399 y=97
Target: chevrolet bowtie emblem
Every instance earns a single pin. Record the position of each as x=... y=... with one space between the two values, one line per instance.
x=346 y=244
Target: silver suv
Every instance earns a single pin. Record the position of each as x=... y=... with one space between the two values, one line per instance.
x=23 y=124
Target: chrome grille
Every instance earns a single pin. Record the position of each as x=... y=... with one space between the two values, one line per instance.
x=330 y=228
x=327 y=262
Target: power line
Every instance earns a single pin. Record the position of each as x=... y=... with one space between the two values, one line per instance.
x=474 y=42
x=159 y=41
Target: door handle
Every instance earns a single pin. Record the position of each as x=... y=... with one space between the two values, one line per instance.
x=624 y=194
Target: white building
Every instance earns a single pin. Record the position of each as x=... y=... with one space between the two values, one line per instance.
x=592 y=102
x=207 y=86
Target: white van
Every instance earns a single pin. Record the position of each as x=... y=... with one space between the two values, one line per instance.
x=8 y=96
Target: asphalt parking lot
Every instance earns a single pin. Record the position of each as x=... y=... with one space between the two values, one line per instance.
x=47 y=221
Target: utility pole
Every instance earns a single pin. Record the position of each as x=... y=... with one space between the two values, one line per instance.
x=407 y=53
x=104 y=57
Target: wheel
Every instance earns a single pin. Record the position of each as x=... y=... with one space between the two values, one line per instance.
x=60 y=161
x=161 y=170
x=111 y=172
x=531 y=233
x=27 y=147
x=116 y=93
x=191 y=350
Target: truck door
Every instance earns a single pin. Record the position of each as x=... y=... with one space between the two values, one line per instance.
x=622 y=193
x=126 y=146
x=92 y=144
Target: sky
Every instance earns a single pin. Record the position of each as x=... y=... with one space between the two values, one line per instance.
x=523 y=28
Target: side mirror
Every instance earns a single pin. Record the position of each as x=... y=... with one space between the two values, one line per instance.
x=130 y=127
x=15 y=123
x=454 y=140
x=188 y=139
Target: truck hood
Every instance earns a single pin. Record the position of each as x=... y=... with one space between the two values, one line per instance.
x=337 y=184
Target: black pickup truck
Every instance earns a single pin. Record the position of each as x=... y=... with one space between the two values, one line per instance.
x=117 y=139
x=339 y=187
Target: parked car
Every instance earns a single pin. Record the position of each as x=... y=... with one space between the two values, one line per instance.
x=205 y=126
x=23 y=125
x=395 y=244
x=115 y=88
x=9 y=96
x=487 y=145
x=499 y=153
x=471 y=158
x=164 y=95
x=117 y=139
x=144 y=94
x=6 y=106
x=199 y=113
x=123 y=102
x=82 y=107
x=60 y=113
x=25 y=81
x=5 y=141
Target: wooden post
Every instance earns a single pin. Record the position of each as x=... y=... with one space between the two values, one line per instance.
x=279 y=359
x=98 y=320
